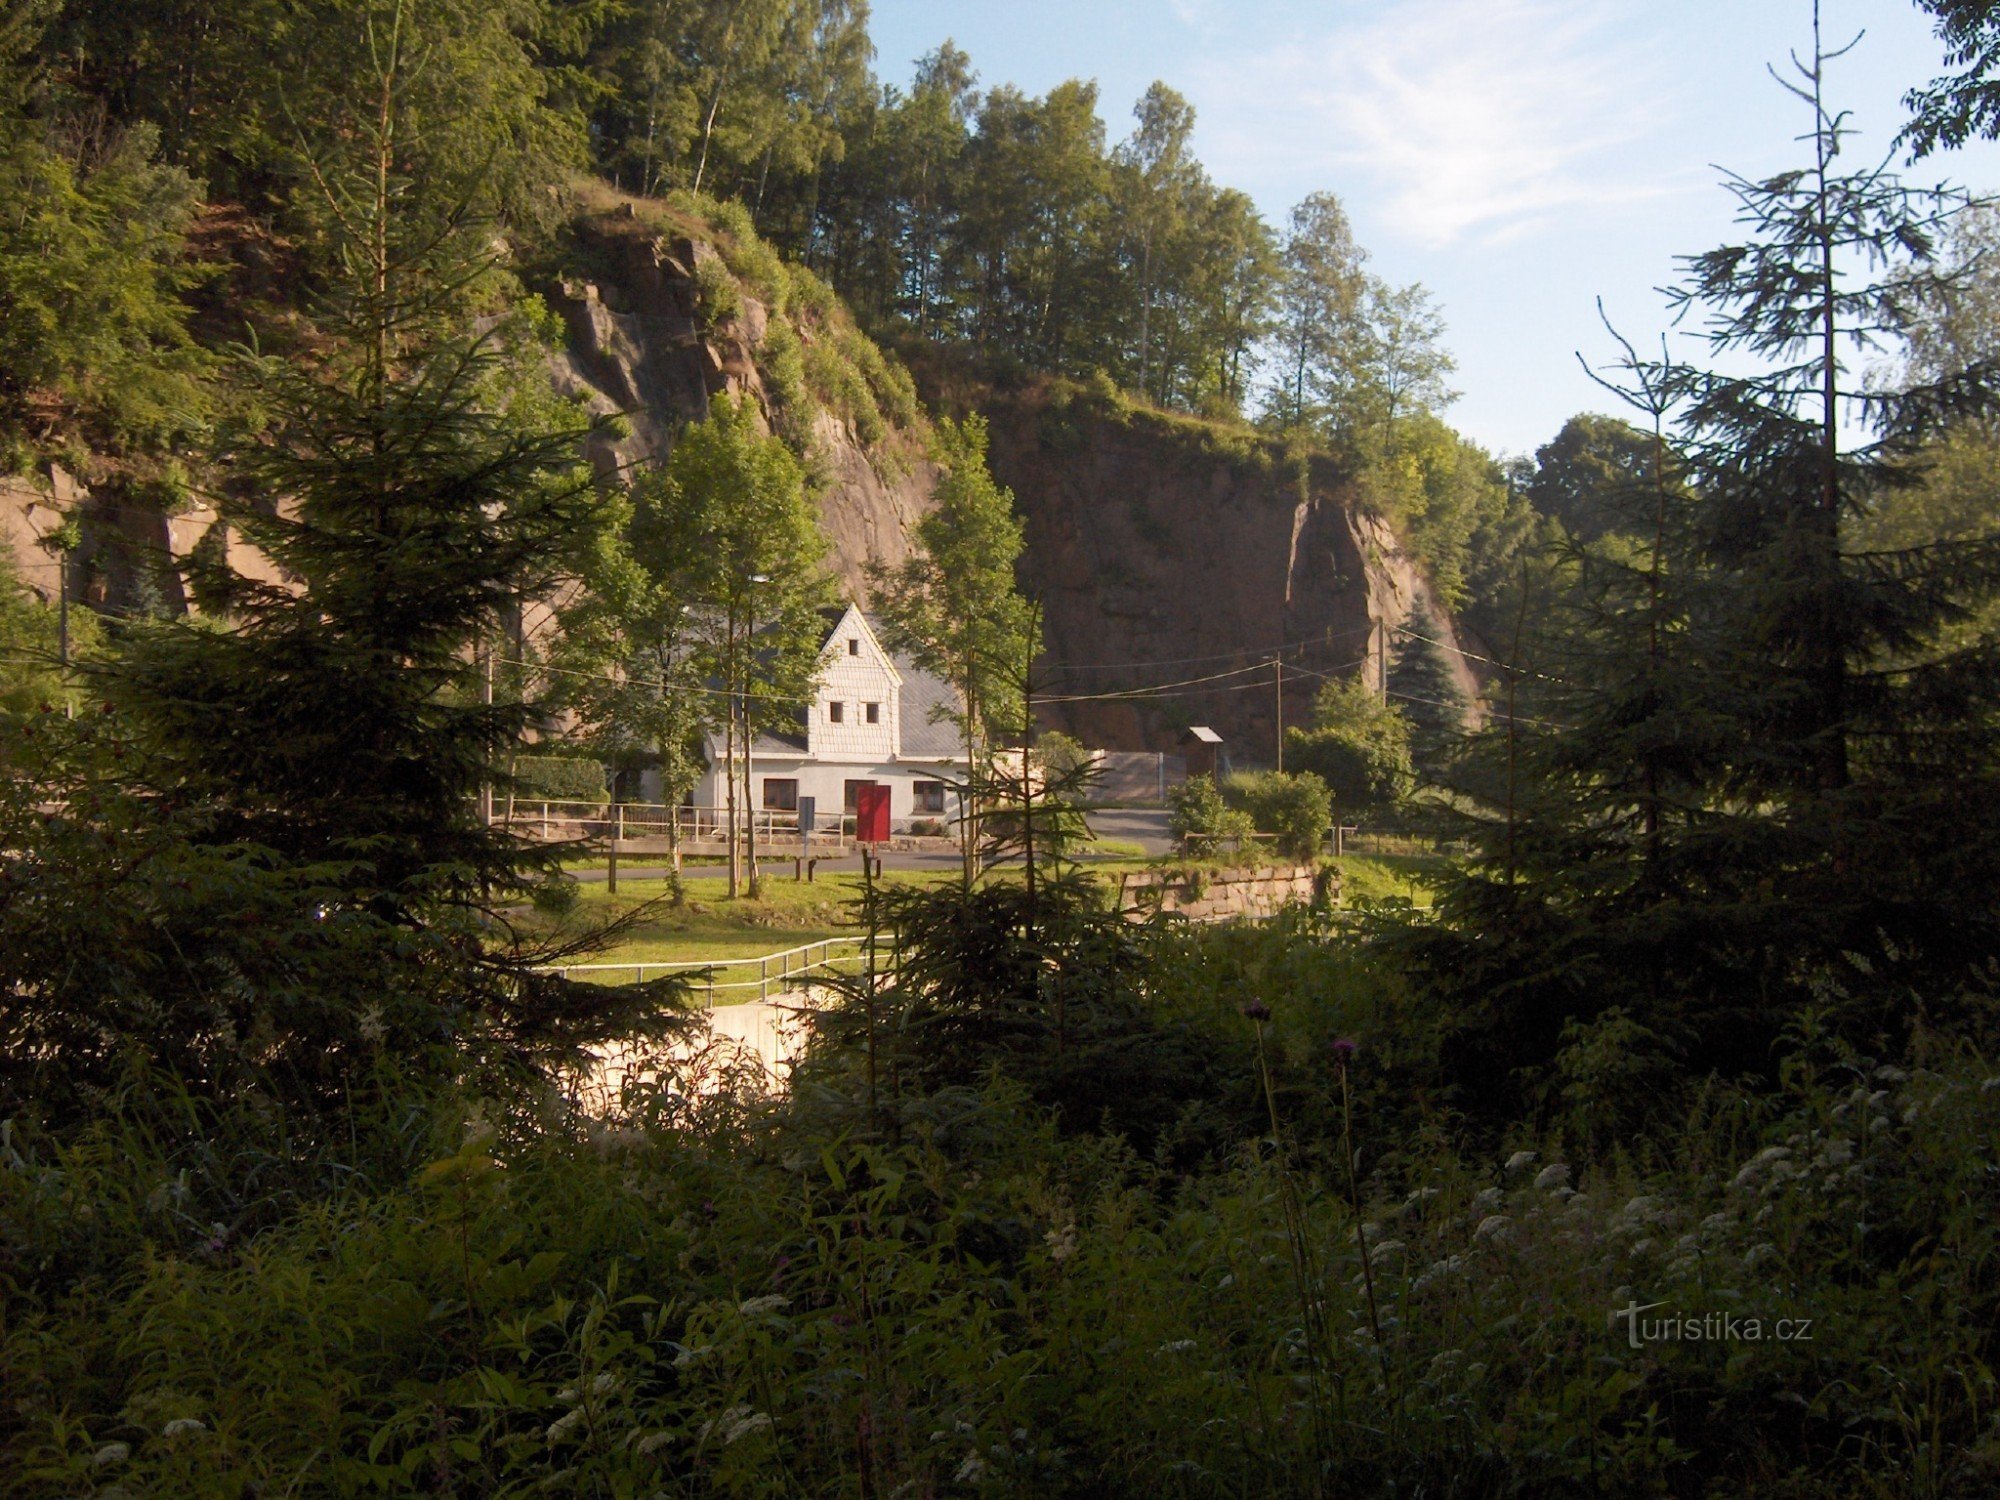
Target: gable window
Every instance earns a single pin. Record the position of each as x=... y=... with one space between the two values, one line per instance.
x=854 y=645
x=847 y=791
x=836 y=712
x=874 y=713
x=781 y=794
x=929 y=796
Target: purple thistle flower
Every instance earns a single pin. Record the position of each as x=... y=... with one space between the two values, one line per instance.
x=1256 y=1010
x=1344 y=1048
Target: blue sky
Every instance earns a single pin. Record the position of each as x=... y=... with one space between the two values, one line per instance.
x=1521 y=158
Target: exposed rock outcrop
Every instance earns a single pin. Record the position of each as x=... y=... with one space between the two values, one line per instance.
x=1200 y=550
x=640 y=343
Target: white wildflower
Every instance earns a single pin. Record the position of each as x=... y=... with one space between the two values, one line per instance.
x=1421 y=1195
x=565 y=1426
x=684 y=1356
x=1486 y=1200
x=970 y=1470
x=1520 y=1161
x=1890 y=1073
x=736 y=1422
x=1493 y=1226
x=1554 y=1175
x=1061 y=1243
x=1178 y=1346
x=653 y=1442
x=181 y=1426
x=756 y=1307
x=111 y=1453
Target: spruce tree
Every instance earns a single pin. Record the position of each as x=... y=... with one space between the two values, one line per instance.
x=413 y=482
x=1426 y=691
x=1759 y=769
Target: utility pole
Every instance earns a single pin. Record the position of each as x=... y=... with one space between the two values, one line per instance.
x=1279 y=662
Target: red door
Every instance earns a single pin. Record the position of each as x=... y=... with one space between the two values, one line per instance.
x=871 y=813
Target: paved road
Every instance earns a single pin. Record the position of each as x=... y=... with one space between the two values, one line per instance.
x=1145 y=826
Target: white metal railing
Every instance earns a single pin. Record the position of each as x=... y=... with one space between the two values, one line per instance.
x=623 y=821
x=775 y=971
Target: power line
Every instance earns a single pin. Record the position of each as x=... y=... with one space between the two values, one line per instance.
x=1188 y=661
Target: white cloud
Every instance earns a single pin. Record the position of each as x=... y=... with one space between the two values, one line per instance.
x=1470 y=119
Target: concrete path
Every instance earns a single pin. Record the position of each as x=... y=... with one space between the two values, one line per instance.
x=1145 y=826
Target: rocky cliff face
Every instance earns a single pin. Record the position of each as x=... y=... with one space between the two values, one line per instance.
x=1200 y=552
x=1167 y=553
x=641 y=343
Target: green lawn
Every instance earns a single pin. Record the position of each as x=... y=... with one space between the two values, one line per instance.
x=709 y=928
x=1377 y=877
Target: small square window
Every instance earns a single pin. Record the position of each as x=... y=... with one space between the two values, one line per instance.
x=836 y=712
x=781 y=793
x=874 y=713
x=854 y=645
x=929 y=796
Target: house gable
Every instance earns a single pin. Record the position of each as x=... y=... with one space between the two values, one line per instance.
x=856 y=674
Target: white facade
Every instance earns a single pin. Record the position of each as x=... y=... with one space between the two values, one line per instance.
x=870 y=720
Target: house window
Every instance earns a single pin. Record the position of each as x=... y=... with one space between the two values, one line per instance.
x=836 y=712
x=874 y=713
x=781 y=794
x=854 y=645
x=929 y=796
x=847 y=791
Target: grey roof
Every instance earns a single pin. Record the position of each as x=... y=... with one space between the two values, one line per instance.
x=1206 y=735
x=927 y=701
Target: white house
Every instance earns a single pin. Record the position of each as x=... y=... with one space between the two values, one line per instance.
x=876 y=718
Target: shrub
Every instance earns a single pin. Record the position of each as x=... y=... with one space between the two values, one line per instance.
x=1298 y=809
x=1200 y=821
x=717 y=298
x=560 y=778
x=1358 y=746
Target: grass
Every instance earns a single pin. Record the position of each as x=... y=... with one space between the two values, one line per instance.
x=1379 y=877
x=708 y=928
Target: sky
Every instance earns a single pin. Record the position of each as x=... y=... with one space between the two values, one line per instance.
x=1522 y=159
